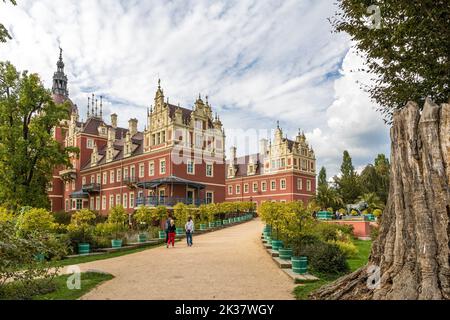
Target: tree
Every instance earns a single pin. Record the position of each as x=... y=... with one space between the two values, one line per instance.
x=347 y=185
x=412 y=248
x=375 y=178
x=327 y=197
x=322 y=179
x=28 y=151
x=4 y=35
x=372 y=200
x=405 y=46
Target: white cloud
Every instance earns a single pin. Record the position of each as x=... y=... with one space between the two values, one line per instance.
x=259 y=61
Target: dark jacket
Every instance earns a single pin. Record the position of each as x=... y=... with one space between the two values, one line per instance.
x=172 y=229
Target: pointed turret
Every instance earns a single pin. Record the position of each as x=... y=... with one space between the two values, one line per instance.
x=60 y=78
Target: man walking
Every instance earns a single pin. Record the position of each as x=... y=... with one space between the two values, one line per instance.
x=189 y=227
x=166 y=226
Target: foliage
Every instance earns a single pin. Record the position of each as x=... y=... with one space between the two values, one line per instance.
x=28 y=151
x=375 y=178
x=116 y=222
x=81 y=227
x=4 y=35
x=327 y=197
x=145 y=216
x=406 y=53
x=348 y=248
x=6 y=215
x=347 y=184
x=325 y=257
x=322 y=178
x=295 y=219
x=35 y=221
x=377 y=213
x=18 y=261
x=372 y=200
x=62 y=217
x=181 y=212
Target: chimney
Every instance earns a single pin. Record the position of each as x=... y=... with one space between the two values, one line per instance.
x=233 y=154
x=114 y=120
x=132 y=126
x=112 y=134
x=263 y=143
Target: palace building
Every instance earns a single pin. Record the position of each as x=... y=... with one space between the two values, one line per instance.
x=283 y=170
x=178 y=157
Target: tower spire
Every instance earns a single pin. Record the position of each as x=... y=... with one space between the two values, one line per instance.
x=92 y=105
x=88 y=106
x=101 y=107
x=96 y=108
x=59 y=78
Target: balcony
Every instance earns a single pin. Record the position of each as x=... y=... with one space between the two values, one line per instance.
x=68 y=174
x=154 y=201
x=130 y=182
x=91 y=188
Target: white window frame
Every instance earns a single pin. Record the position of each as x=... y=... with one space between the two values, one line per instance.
x=230 y=190
x=246 y=188
x=263 y=186
x=206 y=196
x=97 y=203
x=118 y=199
x=299 y=184
x=151 y=168
x=255 y=187
x=83 y=182
x=90 y=144
x=273 y=185
x=111 y=201
x=238 y=189
x=161 y=167
x=281 y=184
x=103 y=202
x=125 y=200
x=308 y=185
x=190 y=165
x=119 y=174
x=131 y=200
x=99 y=178
x=141 y=170
x=210 y=165
x=105 y=178
x=126 y=173
x=92 y=203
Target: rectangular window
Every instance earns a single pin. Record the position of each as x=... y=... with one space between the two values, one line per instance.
x=283 y=162
x=141 y=170
x=246 y=188
x=67 y=205
x=117 y=199
x=283 y=184
x=255 y=186
x=119 y=175
x=92 y=204
x=238 y=189
x=105 y=177
x=73 y=185
x=111 y=176
x=99 y=178
x=273 y=185
x=230 y=189
x=125 y=200
x=90 y=144
x=299 y=184
x=209 y=197
x=67 y=186
x=132 y=172
x=162 y=166
x=131 y=200
x=97 y=203
x=92 y=179
x=125 y=173
x=308 y=185
x=111 y=201
x=84 y=181
x=151 y=168
x=190 y=167
x=264 y=186
x=209 y=170
x=103 y=202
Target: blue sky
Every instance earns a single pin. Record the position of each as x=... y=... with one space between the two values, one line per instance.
x=258 y=61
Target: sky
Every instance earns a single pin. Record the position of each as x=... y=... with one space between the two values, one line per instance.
x=259 y=62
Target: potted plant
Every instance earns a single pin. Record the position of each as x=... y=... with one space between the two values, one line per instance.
x=117 y=219
x=81 y=228
x=144 y=217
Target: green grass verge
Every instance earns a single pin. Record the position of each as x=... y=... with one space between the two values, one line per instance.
x=85 y=259
x=364 y=247
x=89 y=280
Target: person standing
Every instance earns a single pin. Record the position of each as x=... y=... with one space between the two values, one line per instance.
x=171 y=233
x=166 y=227
x=189 y=227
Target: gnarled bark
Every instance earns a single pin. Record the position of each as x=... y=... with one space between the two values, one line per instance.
x=412 y=250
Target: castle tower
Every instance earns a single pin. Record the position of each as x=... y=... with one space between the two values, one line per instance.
x=60 y=79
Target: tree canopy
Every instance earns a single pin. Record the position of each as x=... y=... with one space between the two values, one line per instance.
x=347 y=184
x=4 y=34
x=407 y=51
x=28 y=151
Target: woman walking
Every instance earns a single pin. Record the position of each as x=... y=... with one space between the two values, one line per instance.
x=189 y=227
x=171 y=231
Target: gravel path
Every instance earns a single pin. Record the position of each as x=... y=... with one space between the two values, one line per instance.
x=226 y=264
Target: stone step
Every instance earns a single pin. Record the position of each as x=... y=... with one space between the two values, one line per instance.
x=283 y=264
x=299 y=277
x=268 y=246
x=273 y=253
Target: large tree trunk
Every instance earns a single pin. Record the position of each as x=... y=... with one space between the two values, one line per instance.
x=412 y=250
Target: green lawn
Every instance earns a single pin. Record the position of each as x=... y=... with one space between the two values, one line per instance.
x=84 y=259
x=88 y=282
x=302 y=292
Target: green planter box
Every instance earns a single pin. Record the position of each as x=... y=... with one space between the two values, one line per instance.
x=203 y=226
x=162 y=234
x=324 y=215
x=299 y=264
x=84 y=248
x=142 y=237
x=218 y=223
x=180 y=231
x=225 y=222
x=39 y=257
x=285 y=254
x=116 y=243
x=277 y=245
